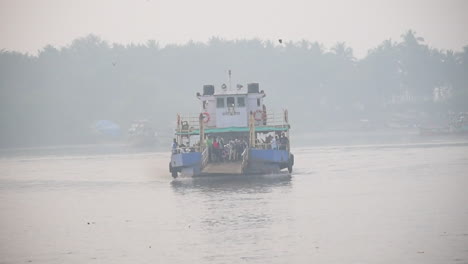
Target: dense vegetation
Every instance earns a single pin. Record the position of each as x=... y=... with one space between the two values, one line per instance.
x=56 y=96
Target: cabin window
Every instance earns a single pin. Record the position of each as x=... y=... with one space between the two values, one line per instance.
x=240 y=101
x=220 y=102
x=258 y=102
x=230 y=102
x=204 y=105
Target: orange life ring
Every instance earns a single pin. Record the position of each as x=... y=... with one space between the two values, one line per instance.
x=259 y=116
x=206 y=117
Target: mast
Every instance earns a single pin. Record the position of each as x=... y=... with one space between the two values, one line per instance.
x=251 y=130
x=230 y=83
x=202 y=131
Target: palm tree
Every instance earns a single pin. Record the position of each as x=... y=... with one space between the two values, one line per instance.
x=342 y=51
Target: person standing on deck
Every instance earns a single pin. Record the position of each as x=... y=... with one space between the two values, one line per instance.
x=268 y=141
x=273 y=142
x=209 y=144
x=238 y=149
x=174 y=146
x=285 y=142
x=231 y=150
x=221 y=148
x=216 y=149
x=281 y=142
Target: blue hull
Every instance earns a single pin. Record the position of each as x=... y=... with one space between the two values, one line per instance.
x=264 y=161
x=188 y=164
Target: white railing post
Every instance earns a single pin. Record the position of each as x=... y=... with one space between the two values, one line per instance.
x=204 y=157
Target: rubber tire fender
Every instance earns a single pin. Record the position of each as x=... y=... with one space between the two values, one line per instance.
x=291 y=163
x=172 y=171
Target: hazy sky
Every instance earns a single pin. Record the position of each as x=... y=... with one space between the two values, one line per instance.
x=28 y=25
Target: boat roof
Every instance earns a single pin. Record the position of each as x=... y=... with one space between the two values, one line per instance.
x=231 y=92
x=234 y=129
x=242 y=91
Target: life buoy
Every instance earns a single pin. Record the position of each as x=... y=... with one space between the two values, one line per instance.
x=206 y=117
x=258 y=115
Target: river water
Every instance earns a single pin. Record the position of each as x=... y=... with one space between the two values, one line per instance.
x=401 y=203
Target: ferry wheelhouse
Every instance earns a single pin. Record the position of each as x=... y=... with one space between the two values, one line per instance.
x=234 y=133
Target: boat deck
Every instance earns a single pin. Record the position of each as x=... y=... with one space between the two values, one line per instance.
x=223 y=168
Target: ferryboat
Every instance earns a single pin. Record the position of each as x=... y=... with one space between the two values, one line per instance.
x=233 y=134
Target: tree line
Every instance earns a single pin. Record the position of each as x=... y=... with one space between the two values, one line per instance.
x=56 y=96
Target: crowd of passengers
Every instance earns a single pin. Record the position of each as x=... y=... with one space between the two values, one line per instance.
x=275 y=142
x=220 y=151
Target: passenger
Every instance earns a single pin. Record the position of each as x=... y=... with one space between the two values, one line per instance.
x=216 y=150
x=209 y=144
x=221 y=150
x=226 y=152
x=286 y=142
x=274 y=143
x=239 y=149
x=283 y=142
x=244 y=146
x=174 y=146
x=231 y=150
x=222 y=145
x=194 y=147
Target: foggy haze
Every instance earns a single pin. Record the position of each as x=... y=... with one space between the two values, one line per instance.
x=367 y=165
x=58 y=95
x=66 y=65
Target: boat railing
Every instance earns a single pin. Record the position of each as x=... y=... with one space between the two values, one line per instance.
x=180 y=150
x=188 y=123
x=263 y=145
x=272 y=118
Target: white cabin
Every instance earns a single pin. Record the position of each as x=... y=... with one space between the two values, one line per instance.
x=231 y=107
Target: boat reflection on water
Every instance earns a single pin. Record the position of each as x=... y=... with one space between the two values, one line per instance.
x=232 y=183
x=221 y=211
